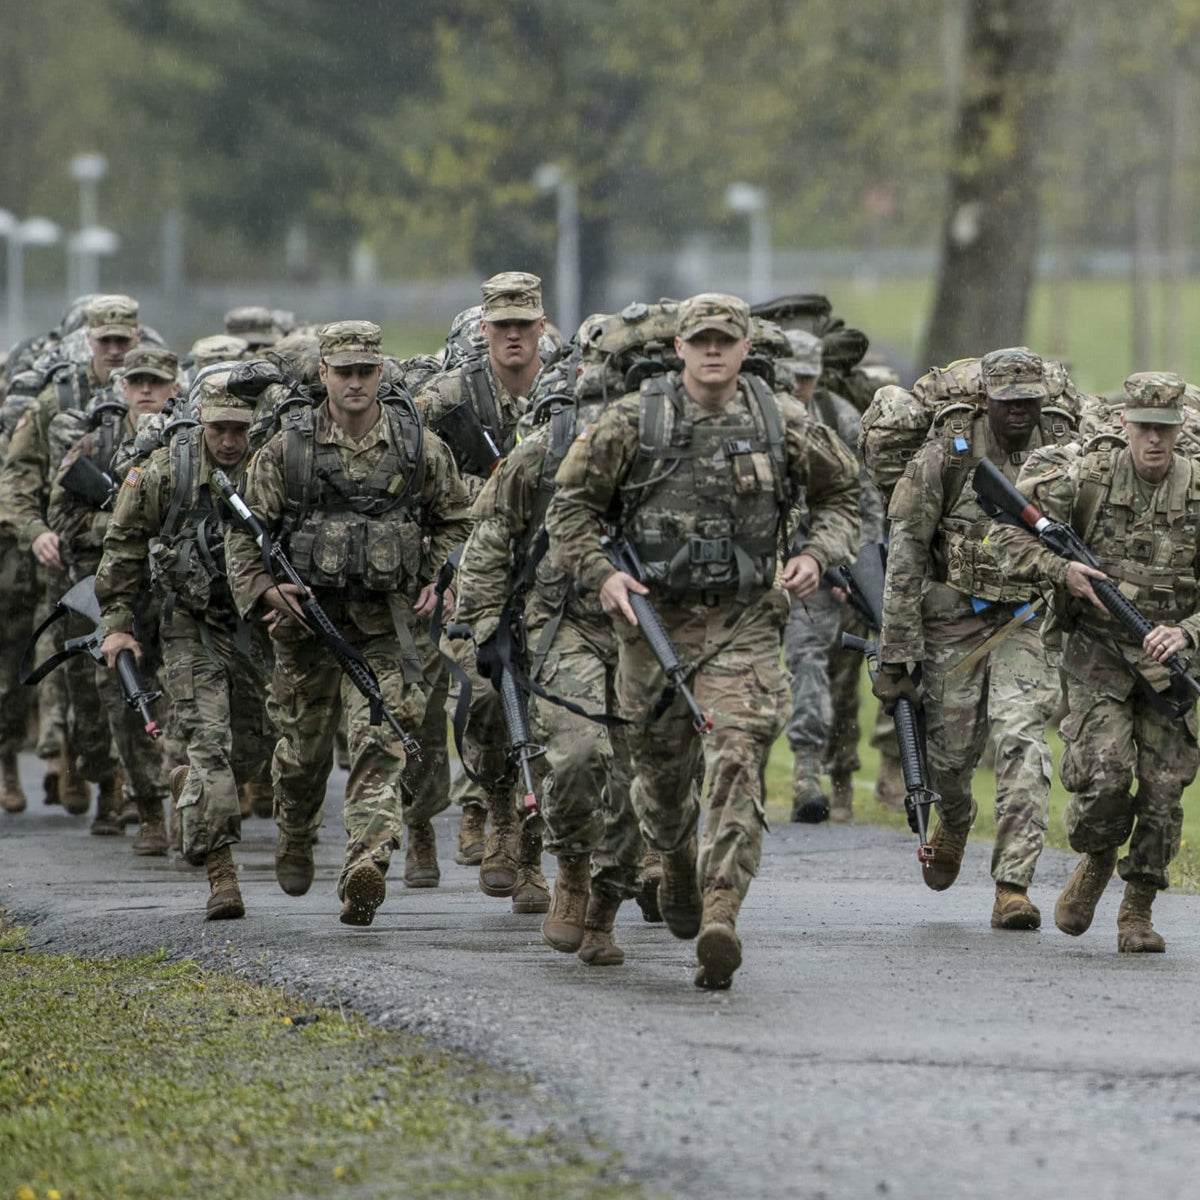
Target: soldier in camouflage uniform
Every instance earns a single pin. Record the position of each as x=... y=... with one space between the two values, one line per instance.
x=475 y=407
x=705 y=503
x=964 y=637
x=217 y=665
x=1138 y=509
x=254 y=325
x=367 y=503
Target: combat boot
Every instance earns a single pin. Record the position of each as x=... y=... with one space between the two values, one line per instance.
x=599 y=949
x=261 y=795
x=364 y=892
x=107 y=822
x=563 y=926
x=420 y=857
x=243 y=802
x=718 y=949
x=841 y=799
x=679 y=893
x=225 y=898
x=1076 y=906
x=809 y=804
x=12 y=795
x=127 y=813
x=532 y=893
x=74 y=794
x=1135 y=933
x=294 y=866
x=498 y=867
x=1013 y=908
x=889 y=785
x=151 y=839
x=472 y=836
x=948 y=848
x=647 y=896
x=175 y=781
x=51 y=774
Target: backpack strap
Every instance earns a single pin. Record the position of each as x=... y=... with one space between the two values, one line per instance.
x=480 y=386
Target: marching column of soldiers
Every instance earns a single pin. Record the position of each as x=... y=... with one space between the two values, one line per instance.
x=622 y=565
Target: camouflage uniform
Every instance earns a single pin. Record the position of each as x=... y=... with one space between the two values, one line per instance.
x=361 y=553
x=709 y=532
x=254 y=325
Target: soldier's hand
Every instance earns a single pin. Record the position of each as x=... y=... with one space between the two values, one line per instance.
x=45 y=550
x=1163 y=641
x=284 y=600
x=114 y=643
x=1079 y=583
x=614 y=595
x=893 y=682
x=427 y=601
x=801 y=576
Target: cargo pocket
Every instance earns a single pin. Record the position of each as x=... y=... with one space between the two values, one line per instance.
x=331 y=550
x=383 y=568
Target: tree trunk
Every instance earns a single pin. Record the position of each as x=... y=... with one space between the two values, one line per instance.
x=990 y=236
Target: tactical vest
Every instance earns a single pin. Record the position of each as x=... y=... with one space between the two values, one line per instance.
x=704 y=502
x=963 y=558
x=362 y=537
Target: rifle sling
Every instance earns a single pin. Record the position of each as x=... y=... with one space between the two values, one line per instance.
x=964 y=665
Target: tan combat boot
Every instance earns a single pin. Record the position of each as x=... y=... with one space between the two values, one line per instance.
x=294 y=866
x=532 y=893
x=563 y=926
x=948 y=847
x=225 y=898
x=175 y=781
x=472 y=836
x=889 y=785
x=841 y=799
x=718 y=949
x=420 y=857
x=107 y=821
x=1135 y=933
x=1076 y=906
x=679 y=893
x=498 y=867
x=647 y=896
x=151 y=839
x=1013 y=908
x=809 y=804
x=599 y=949
x=364 y=892
x=12 y=795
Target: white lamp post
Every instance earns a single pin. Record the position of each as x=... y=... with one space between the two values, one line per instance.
x=550 y=177
x=752 y=201
x=88 y=170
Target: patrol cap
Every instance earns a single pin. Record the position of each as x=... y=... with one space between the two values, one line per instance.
x=216 y=403
x=1155 y=397
x=151 y=360
x=253 y=323
x=512 y=296
x=347 y=343
x=220 y=347
x=805 y=358
x=1015 y=373
x=714 y=310
x=112 y=316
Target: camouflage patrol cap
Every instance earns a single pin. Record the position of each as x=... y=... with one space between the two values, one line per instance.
x=217 y=403
x=151 y=360
x=112 y=316
x=1155 y=397
x=714 y=310
x=512 y=296
x=1015 y=373
x=805 y=359
x=347 y=343
x=253 y=323
x=220 y=347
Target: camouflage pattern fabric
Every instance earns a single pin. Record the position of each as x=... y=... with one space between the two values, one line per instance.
x=425 y=785
x=18 y=600
x=812 y=629
x=845 y=672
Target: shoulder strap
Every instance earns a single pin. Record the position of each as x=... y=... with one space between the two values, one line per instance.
x=409 y=431
x=475 y=373
x=1094 y=478
x=772 y=423
x=298 y=472
x=183 y=459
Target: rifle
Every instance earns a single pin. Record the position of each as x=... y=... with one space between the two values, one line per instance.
x=515 y=705
x=85 y=481
x=864 y=581
x=81 y=600
x=314 y=616
x=1003 y=501
x=624 y=557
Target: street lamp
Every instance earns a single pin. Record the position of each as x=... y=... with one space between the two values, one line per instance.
x=36 y=231
x=752 y=201
x=550 y=177
x=88 y=170
x=85 y=247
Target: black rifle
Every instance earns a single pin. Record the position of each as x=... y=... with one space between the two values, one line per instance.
x=81 y=600
x=1002 y=500
x=624 y=557
x=474 y=449
x=314 y=616
x=85 y=481
x=864 y=582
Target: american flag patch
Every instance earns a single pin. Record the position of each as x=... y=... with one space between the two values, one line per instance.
x=132 y=477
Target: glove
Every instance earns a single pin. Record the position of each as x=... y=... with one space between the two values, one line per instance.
x=488 y=661
x=893 y=682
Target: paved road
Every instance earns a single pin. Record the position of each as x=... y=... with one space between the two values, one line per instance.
x=881 y=1040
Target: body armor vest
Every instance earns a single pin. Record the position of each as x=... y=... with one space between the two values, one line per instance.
x=362 y=537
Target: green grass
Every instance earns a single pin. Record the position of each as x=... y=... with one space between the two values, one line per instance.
x=142 y=1078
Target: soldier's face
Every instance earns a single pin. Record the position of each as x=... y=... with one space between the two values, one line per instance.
x=147 y=393
x=108 y=353
x=513 y=344
x=353 y=388
x=1151 y=446
x=227 y=441
x=711 y=359
x=804 y=387
x=1012 y=421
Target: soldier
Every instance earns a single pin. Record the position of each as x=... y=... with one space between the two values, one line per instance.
x=353 y=488
x=255 y=325
x=217 y=348
x=700 y=471
x=962 y=635
x=217 y=666
x=1138 y=509
x=475 y=407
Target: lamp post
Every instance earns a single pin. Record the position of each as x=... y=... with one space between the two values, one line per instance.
x=752 y=201
x=550 y=177
x=88 y=170
x=36 y=231
x=86 y=247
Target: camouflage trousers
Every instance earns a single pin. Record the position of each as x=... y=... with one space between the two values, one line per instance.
x=740 y=684
x=1108 y=744
x=585 y=772
x=53 y=703
x=808 y=641
x=219 y=691
x=308 y=692
x=426 y=780
x=1008 y=695
x=845 y=673
x=18 y=599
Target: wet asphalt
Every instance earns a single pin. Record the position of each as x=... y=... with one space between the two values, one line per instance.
x=881 y=1040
